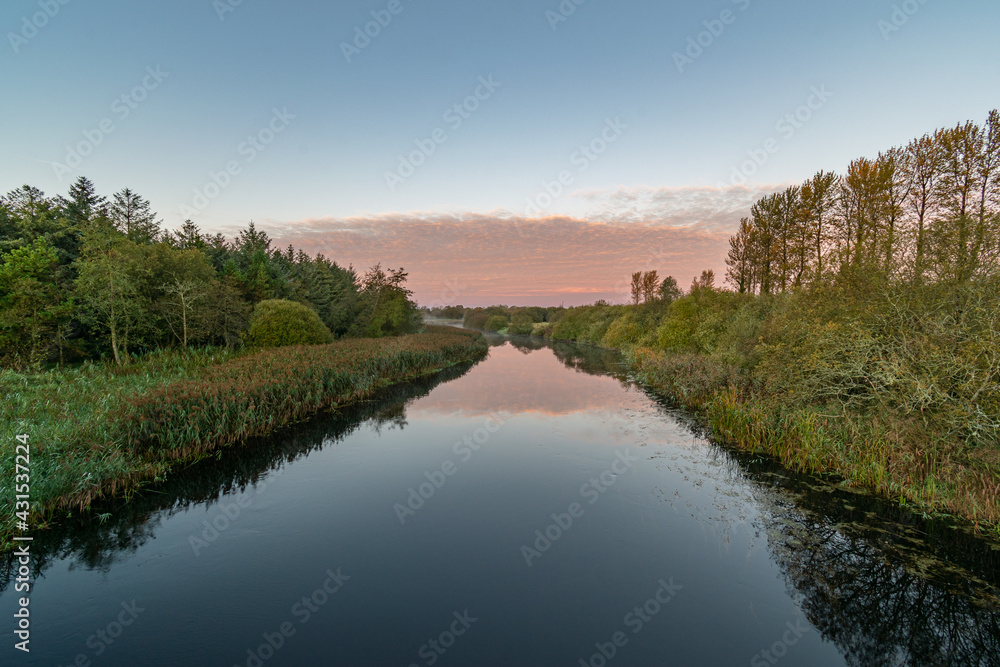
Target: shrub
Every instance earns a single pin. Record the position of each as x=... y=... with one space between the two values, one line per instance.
x=278 y=323
x=623 y=332
x=495 y=323
x=521 y=329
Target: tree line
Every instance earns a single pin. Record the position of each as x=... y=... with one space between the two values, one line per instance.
x=83 y=276
x=925 y=212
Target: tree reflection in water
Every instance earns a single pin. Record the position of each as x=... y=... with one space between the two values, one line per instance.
x=887 y=587
x=93 y=543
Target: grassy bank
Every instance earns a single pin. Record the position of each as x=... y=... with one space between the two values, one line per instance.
x=893 y=389
x=98 y=430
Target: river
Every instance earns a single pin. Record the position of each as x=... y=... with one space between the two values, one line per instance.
x=536 y=508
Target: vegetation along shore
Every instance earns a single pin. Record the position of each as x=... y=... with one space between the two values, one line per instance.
x=859 y=336
x=126 y=350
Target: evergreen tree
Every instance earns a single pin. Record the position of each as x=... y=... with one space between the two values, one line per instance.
x=132 y=216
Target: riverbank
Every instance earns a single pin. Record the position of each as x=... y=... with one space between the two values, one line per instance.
x=868 y=454
x=891 y=390
x=98 y=430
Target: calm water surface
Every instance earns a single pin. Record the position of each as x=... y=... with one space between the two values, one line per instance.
x=534 y=509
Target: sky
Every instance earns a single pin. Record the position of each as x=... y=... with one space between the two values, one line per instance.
x=520 y=152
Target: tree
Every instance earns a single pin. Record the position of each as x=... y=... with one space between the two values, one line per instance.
x=229 y=312
x=818 y=203
x=179 y=286
x=636 y=287
x=924 y=164
x=132 y=216
x=386 y=306
x=961 y=149
x=32 y=306
x=650 y=286
x=926 y=211
x=895 y=189
x=705 y=282
x=188 y=236
x=669 y=290
x=988 y=168
x=111 y=274
x=740 y=263
x=83 y=205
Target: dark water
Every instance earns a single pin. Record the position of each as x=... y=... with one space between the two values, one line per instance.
x=566 y=519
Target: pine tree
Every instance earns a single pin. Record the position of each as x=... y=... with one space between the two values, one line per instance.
x=132 y=216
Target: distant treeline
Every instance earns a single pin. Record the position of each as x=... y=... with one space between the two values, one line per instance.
x=82 y=276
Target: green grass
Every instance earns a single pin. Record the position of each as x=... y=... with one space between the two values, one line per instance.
x=97 y=430
x=880 y=453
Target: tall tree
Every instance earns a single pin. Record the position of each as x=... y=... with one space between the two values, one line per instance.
x=636 y=287
x=819 y=199
x=133 y=216
x=109 y=285
x=924 y=163
x=739 y=260
x=33 y=307
x=670 y=291
x=650 y=286
x=83 y=205
x=961 y=149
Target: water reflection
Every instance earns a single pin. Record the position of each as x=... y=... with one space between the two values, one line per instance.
x=112 y=531
x=882 y=585
x=885 y=587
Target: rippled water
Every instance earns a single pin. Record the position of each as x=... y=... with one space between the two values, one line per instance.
x=534 y=509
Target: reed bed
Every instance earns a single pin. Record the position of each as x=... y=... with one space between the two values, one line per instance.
x=98 y=431
x=878 y=452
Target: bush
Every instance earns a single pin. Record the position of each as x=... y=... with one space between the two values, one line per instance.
x=495 y=323
x=278 y=323
x=521 y=329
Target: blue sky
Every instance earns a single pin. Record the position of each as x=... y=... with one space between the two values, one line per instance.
x=225 y=69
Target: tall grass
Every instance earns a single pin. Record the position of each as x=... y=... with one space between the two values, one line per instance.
x=881 y=453
x=892 y=388
x=97 y=430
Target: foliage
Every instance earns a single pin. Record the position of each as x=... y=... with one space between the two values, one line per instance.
x=927 y=211
x=88 y=277
x=496 y=323
x=33 y=310
x=100 y=429
x=279 y=323
x=386 y=306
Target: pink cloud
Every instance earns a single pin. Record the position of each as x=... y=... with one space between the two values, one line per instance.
x=485 y=258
